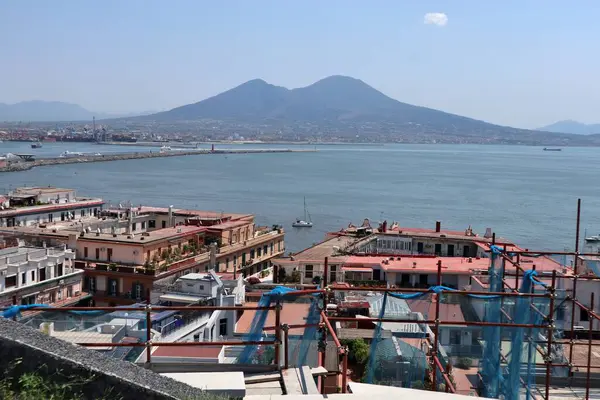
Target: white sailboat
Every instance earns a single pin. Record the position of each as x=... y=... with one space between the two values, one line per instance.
x=306 y=222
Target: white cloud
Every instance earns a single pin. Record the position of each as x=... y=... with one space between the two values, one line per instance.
x=439 y=19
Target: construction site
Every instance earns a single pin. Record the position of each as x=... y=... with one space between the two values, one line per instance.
x=513 y=324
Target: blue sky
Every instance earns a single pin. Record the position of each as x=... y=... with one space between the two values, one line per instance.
x=524 y=63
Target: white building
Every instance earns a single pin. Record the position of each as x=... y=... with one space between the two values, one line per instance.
x=32 y=275
x=30 y=206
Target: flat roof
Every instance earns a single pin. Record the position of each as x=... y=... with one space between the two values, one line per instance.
x=291 y=314
x=182 y=298
x=326 y=248
x=418 y=264
x=51 y=207
x=35 y=190
x=146 y=237
x=194 y=213
x=188 y=351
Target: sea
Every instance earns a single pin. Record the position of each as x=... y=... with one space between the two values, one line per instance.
x=524 y=194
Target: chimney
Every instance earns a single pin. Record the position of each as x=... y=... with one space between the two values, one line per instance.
x=384 y=227
x=213 y=255
x=438 y=226
x=170 y=217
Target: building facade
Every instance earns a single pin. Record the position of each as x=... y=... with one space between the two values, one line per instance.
x=31 y=275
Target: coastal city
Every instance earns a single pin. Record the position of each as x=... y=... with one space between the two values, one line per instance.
x=213 y=300
x=299 y=200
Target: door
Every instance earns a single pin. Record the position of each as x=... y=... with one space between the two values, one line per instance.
x=450 y=250
x=108 y=254
x=420 y=248
x=423 y=280
x=376 y=274
x=466 y=251
x=438 y=249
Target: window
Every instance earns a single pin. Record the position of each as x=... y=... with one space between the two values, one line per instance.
x=62 y=216
x=258 y=252
x=423 y=280
x=83 y=213
x=134 y=226
x=108 y=254
x=226 y=264
x=583 y=315
x=33 y=276
x=112 y=287
x=223 y=327
x=143 y=225
x=252 y=253
x=279 y=246
x=438 y=249
x=152 y=224
x=49 y=217
x=272 y=247
x=97 y=253
x=265 y=249
x=11 y=281
x=164 y=224
x=58 y=270
x=308 y=271
x=42 y=274
x=23 y=278
x=201 y=287
x=70 y=291
x=85 y=252
x=26 y=300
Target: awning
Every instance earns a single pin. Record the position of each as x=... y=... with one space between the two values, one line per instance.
x=357 y=269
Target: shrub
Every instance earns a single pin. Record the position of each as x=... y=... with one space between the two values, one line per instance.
x=464 y=363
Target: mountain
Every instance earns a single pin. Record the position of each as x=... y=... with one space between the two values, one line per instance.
x=335 y=98
x=570 y=126
x=49 y=111
x=340 y=105
x=38 y=110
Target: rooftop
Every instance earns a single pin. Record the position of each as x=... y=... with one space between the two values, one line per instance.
x=194 y=213
x=291 y=314
x=146 y=237
x=187 y=351
x=419 y=264
x=319 y=251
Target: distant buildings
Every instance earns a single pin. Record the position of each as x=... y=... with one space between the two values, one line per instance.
x=36 y=206
x=124 y=251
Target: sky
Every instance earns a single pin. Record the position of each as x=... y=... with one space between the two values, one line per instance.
x=523 y=63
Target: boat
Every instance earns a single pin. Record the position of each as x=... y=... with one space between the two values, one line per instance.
x=551 y=149
x=36 y=145
x=69 y=154
x=306 y=222
x=165 y=149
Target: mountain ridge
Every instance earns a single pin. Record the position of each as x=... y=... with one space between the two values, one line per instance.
x=573 y=127
x=335 y=97
x=53 y=111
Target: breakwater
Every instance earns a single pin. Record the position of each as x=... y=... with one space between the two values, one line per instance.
x=25 y=165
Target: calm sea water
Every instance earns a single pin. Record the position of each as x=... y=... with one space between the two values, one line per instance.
x=523 y=193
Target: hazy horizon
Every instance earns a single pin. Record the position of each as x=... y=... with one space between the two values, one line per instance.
x=522 y=65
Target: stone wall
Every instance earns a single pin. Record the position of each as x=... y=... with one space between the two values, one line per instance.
x=59 y=360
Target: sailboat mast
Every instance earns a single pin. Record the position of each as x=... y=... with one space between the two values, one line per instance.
x=305 y=208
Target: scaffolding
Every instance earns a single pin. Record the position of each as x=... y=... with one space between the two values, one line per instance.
x=519 y=327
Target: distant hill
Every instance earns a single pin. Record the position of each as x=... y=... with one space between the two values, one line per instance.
x=49 y=111
x=38 y=110
x=570 y=126
x=346 y=106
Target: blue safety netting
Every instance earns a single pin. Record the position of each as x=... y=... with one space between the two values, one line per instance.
x=303 y=348
x=15 y=311
x=508 y=358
